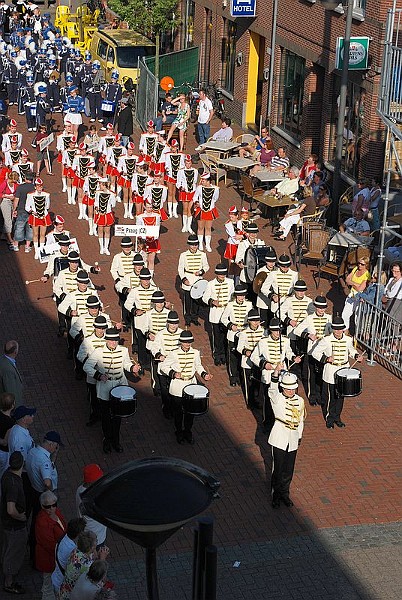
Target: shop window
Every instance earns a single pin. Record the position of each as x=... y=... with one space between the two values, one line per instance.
x=228 y=55
x=291 y=90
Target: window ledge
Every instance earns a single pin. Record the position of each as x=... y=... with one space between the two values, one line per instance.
x=289 y=138
x=349 y=180
x=358 y=13
x=227 y=94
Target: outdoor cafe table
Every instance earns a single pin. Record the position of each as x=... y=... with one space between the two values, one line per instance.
x=266 y=176
x=220 y=146
x=275 y=204
x=340 y=242
x=236 y=163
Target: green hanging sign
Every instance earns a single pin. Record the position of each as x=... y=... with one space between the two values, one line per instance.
x=358 y=53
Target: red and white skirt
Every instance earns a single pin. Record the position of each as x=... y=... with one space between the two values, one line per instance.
x=157 y=167
x=87 y=200
x=206 y=215
x=162 y=212
x=123 y=182
x=230 y=251
x=104 y=220
x=59 y=157
x=34 y=221
x=68 y=172
x=152 y=245
x=78 y=182
x=186 y=196
x=170 y=179
x=112 y=171
x=138 y=199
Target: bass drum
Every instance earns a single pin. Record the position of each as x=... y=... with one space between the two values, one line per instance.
x=254 y=259
x=348 y=382
x=195 y=399
x=123 y=401
x=198 y=288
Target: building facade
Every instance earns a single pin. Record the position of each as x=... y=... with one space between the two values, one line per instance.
x=236 y=53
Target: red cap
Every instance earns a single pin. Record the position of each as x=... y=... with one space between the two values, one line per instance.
x=205 y=175
x=24 y=152
x=117 y=137
x=13 y=123
x=59 y=220
x=82 y=146
x=38 y=181
x=174 y=143
x=151 y=124
x=131 y=146
x=188 y=157
x=109 y=126
x=73 y=139
x=244 y=209
x=233 y=210
x=92 y=473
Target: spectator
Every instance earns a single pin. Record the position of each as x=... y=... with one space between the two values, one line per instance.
x=91 y=473
x=280 y=162
x=264 y=157
x=356 y=225
x=10 y=377
x=169 y=112
x=80 y=560
x=63 y=550
x=254 y=148
x=105 y=594
x=322 y=198
x=19 y=437
x=289 y=185
x=375 y=197
x=90 y=583
x=50 y=527
x=306 y=207
x=225 y=133
x=370 y=293
x=361 y=200
x=318 y=179
x=91 y=140
x=23 y=231
x=357 y=281
x=392 y=298
x=7 y=405
x=7 y=192
x=4 y=170
x=205 y=114
x=181 y=120
x=394 y=253
x=14 y=523
x=125 y=124
x=308 y=169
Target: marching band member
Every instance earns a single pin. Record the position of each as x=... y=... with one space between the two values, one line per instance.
x=285 y=437
x=126 y=284
x=114 y=153
x=90 y=188
x=174 y=160
x=263 y=303
x=105 y=142
x=95 y=339
x=187 y=178
x=122 y=263
x=57 y=232
x=42 y=105
x=248 y=340
x=38 y=204
x=105 y=201
x=13 y=154
x=234 y=318
x=156 y=193
x=333 y=351
x=62 y=143
x=193 y=264
x=155 y=320
x=60 y=260
x=165 y=341
x=11 y=133
x=313 y=328
x=107 y=365
x=64 y=282
x=150 y=218
x=148 y=141
x=126 y=169
x=23 y=166
x=280 y=283
x=93 y=88
x=80 y=166
x=217 y=295
x=182 y=365
x=139 y=184
x=67 y=160
x=271 y=350
x=294 y=310
x=234 y=233
x=112 y=93
x=205 y=197
x=28 y=100
x=251 y=230
x=73 y=108
x=159 y=156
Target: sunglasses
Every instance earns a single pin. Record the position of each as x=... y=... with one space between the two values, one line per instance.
x=362 y=263
x=50 y=505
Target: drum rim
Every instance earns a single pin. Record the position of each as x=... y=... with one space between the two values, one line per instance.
x=196 y=385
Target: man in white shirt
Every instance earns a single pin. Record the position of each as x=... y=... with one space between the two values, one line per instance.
x=205 y=114
x=224 y=134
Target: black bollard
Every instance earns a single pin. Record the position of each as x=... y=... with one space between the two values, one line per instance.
x=194 y=577
x=211 y=558
x=205 y=538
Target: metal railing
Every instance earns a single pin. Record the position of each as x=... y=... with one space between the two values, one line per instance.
x=147 y=95
x=381 y=335
x=390 y=97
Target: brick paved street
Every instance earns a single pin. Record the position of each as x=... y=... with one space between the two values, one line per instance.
x=341 y=540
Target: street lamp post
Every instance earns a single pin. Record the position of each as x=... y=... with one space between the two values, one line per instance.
x=336 y=183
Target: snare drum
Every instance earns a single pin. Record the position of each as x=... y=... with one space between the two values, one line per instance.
x=108 y=106
x=198 y=288
x=195 y=399
x=254 y=259
x=348 y=382
x=123 y=401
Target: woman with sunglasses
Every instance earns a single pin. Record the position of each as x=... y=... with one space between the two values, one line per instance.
x=50 y=527
x=357 y=281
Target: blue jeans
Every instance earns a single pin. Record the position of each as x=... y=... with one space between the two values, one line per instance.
x=22 y=231
x=204 y=130
x=125 y=140
x=159 y=122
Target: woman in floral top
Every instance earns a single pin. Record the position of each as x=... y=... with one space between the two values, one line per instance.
x=80 y=560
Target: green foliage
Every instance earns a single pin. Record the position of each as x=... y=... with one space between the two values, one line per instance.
x=150 y=17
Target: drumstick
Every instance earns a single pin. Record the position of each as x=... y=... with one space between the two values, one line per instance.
x=294 y=362
x=357 y=360
x=32 y=281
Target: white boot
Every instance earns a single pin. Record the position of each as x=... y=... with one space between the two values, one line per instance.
x=126 y=211
x=91 y=226
x=152 y=271
x=170 y=213
x=68 y=195
x=119 y=188
x=80 y=206
x=201 y=242
x=73 y=193
x=106 y=246
x=36 y=249
x=64 y=182
x=130 y=208
x=95 y=229
x=208 y=243
x=185 y=225
x=101 y=245
x=176 y=216
x=189 y=222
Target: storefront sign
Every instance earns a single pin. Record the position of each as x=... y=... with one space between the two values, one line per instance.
x=358 y=53
x=242 y=8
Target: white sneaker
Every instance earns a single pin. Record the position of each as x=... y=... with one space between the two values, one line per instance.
x=106 y=251
x=29 y=128
x=208 y=248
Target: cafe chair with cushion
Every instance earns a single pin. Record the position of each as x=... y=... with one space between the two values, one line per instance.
x=250 y=193
x=216 y=170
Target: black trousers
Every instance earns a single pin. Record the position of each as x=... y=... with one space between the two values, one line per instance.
x=155 y=377
x=268 y=417
x=332 y=403
x=61 y=318
x=183 y=422
x=315 y=383
x=251 y=385
x=144 y=355
x=93 y=401
x=95 y=102
x=266 y=315
x=110 y=424
x=164 y=382
x=218 y=341
x=191 y=308
x=232 y=361
x=283 y=464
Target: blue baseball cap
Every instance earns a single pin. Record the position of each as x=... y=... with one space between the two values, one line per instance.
x=53 y=436
x=23 y=411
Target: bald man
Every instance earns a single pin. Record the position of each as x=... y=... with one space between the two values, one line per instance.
x=10 y=377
